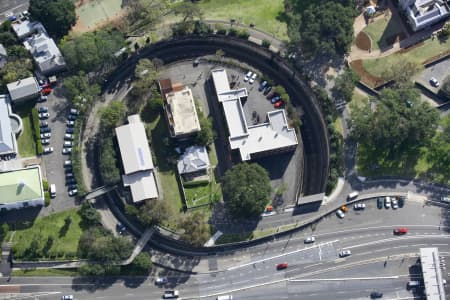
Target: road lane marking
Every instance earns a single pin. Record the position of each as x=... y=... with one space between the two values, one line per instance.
x=278 y=256
x=343 y=279
x=395 y=239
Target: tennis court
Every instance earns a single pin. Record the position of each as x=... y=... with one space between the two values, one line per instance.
x=95 y=12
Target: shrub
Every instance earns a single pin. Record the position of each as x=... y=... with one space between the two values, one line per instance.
x=243 y=34
x=220 y=29
x=47 y=198
x=45 y=184
x=266 y=43
x=195 y=183
x=37 y=132
x=232 y=32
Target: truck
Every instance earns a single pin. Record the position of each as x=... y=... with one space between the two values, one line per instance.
x=52 y=190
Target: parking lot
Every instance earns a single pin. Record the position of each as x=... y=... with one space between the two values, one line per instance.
x=58 y=108
x=12 y=7
x=438 y=71
x=284 y=169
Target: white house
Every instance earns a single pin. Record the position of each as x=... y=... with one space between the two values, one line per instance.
x=194 y=161
x=424 y=13
x=46 y=54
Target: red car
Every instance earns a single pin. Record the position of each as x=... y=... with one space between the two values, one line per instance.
x=282 y=266
x=46 y=91
x=400 y=231
x=279 y=104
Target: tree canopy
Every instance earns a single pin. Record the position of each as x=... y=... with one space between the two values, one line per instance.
x=345 y=84
x=57 y=16
x=439 y=151
x=401 y=72
x=246 y=189
x=445 y=89
x=196 y=228
x=321 y=27
x=397 y=122
x=80 y=90
x=153 y=212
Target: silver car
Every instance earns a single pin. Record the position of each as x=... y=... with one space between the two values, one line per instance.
x=345 y=253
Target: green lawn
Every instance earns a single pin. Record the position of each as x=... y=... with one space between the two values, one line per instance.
x=65 y=239
x=45 y=272
x=429 y=49
x=357 y=99
x=26 y=142
x=262 y=13
x=382 y=30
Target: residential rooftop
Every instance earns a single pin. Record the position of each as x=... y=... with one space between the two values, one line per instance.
x=251 y=140
x=21 y=185
x=194 y=159
x=45 y=53
x=142 y=185
x=23 y=88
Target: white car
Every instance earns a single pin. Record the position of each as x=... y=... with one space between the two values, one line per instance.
x=73 y=192
x=340 y=214
x=66 y=150
x=310 y=240
x=44 y=115
x=253 y=78
x=46 y=135
x=434 y=82
x=45 y=141
x=70 y=123
x=74 y=111
x=47 y=150
x=359 y=206
x=68 y=144
x=394 y=203
x=68 y=136
x=247 y=76
x=67 y=297
x=171 y=294
x=67 y=163
x=345 y=253
x=161 y=280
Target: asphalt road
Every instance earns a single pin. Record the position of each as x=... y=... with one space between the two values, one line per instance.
x=12 y=6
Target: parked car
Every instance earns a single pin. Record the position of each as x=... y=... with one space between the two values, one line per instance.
x=171 y=294
x=69 y=130
x=67 y=297
x=71 y=181
x=248 y=76
x=46 y=91
x=68 y=144
x=253 y=78
x=74 y=111
x=161 y=280
x=359 y=206
x=387 y=202
x=47 y=150
x=71 y=187
x=275 y=99
x=70 y=123
x=282 y=266
x=120 y=228
x=434 y=82
x=267 y=90
x=68 y=136
x=73 y=192
x=340 y=214
x=270 y=95
x=394 y=203
x=69 y=175
x=400 y=231
x=66 y=150
x=72 y=117
x=45 y=141
x=42 y=99
x=262 y=86
x=45 y=129
x=380 y=202
x=67 y=163
x=44 y=115
x=345 y=253
x=68 y=169
x=46 y=135
x=310 y=240
x=43 y=124
x=43 y=109
x=279 y=104
x=344 y=208
x=375 y=295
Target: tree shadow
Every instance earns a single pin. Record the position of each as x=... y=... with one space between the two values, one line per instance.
x=148 y=114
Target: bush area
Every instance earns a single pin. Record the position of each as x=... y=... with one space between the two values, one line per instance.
x=36 y=130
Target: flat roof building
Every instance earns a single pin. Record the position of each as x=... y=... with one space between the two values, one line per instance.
x=252 y=141
x=181 y=113
x=21 y=188
x=10 y=126
x=24 y=29
x=432 y=275
x=46 y=54
x=137 y=160
x=424 y=13
x=23 y=89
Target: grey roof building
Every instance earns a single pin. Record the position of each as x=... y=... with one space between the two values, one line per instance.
x=10 y=126
x=23 y=89
x=45 y=53
x=424 y=13
x=3 y=56
x=194 y=159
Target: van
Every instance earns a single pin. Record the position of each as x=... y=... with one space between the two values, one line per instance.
x=52 y=190
x=225 y=297
x=413 y=283
x=352 y=196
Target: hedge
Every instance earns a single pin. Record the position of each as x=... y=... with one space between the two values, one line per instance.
x=36 y=130
x=243 y=34
x=45 y=184
x=47 y=198
x=75 y=156
x=195 y=183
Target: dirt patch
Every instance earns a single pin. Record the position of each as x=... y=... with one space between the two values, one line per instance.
x=363 y=41
x=366 y=77
x=115 y=21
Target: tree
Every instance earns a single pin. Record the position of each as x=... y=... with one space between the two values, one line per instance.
x=321 y=27
x=188 y=11
x=143 y=14
x=153 y=212
x=445 y=89
x=145 y=75
x=345 y=84
x=4 y=228
x=439 y=152
x=108 y=161
x=111 y=116
x=246 y=190
x=80 y=90
x=196 y=228
x=141 y=264
x=15 y=70
x=89 y=215
x=57 y=16
x=7 y=39
x=18 y=52
x=400 y=121
x=401 y=72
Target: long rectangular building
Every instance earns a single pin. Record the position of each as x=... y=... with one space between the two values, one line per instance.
x=137 y=160
x=263 y=139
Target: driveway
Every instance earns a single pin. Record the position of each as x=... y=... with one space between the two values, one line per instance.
x=54 y=163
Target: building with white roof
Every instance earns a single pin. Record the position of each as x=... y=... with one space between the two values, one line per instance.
x=432 y=275
x=46 y=54
x=195 y=160
x=137 y=160
x=24 y=29
x=10 y=126
x=424 y=13
x=181 y=113
x=252 y=141
x=23 y=89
